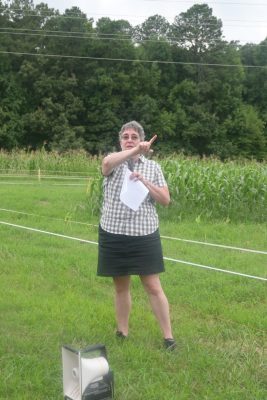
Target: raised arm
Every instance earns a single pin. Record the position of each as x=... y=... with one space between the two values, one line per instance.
x=113 y=160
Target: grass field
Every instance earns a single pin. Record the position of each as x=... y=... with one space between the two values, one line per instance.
x=50 y=296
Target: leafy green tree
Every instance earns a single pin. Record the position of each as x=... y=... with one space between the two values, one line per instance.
x=195 y=126
x=255 y=85
x=245 y=132
x=12 y=103
x=58 y=111
x=154 y=28
x=82 y=81
x=197 y=29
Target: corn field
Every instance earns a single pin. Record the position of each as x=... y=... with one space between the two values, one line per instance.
x=201 y=189
x=211 y=189
x=68 y=163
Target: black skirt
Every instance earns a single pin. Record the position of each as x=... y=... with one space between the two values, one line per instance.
x=120 y=255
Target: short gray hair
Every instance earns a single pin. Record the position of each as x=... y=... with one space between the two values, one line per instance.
x=135 y=126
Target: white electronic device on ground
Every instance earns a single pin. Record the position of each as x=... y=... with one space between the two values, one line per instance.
x=86 y=374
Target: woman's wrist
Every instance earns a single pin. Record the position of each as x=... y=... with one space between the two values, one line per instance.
x=146 y=183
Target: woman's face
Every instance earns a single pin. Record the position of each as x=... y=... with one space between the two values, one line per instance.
x=129 y=139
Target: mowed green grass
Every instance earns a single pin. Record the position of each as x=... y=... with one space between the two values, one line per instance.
x=50 y=296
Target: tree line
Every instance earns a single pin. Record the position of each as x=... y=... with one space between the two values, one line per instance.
x=68 y=82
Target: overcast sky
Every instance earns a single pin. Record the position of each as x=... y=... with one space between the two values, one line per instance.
x=243 y=20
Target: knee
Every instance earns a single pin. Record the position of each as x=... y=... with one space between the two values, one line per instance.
x=122 y=286
x=153 y=290
x=122 y=289
x=152 y=285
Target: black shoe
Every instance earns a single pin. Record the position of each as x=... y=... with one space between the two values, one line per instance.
x=169 y=344
x=120 y=335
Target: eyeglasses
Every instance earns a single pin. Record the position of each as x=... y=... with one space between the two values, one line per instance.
x=132 y=137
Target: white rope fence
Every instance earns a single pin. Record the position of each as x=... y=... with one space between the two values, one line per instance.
x=166 y=258
x=40 y=174
x=162 y=236
x=43 y=184
x=216 y=245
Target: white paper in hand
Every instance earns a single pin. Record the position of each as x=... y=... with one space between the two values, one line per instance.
x=133 y=193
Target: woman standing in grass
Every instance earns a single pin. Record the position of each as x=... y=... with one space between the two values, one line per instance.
x=129 y=241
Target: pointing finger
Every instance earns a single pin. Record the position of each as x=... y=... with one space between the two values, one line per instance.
x=153 y=139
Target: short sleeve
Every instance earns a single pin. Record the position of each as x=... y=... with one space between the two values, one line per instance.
x=159 y=177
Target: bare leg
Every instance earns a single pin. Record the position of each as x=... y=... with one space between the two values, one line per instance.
x=159 y=302
x=122 y=302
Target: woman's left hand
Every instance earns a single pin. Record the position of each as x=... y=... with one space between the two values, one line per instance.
x=136 y=176
x=160 y=194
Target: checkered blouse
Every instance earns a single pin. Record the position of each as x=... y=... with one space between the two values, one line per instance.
x=116 y=217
